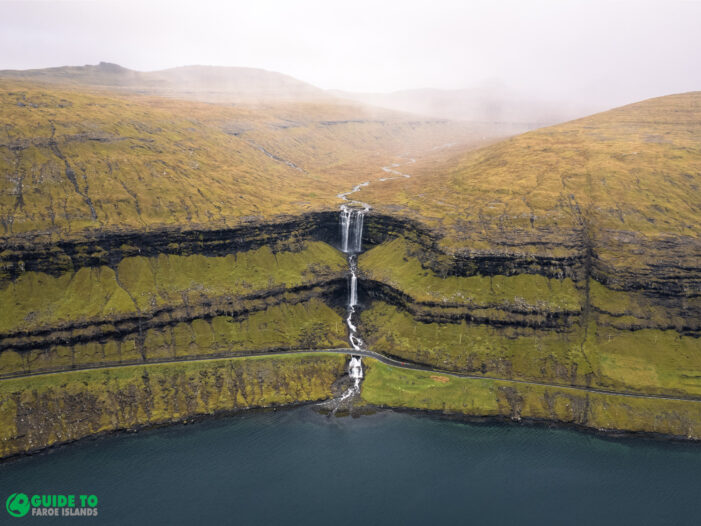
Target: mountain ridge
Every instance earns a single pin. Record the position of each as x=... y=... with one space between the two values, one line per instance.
x=486 y=104
x=207 y=83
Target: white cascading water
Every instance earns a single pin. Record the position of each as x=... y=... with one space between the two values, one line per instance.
x=345 y=227
x=358 y=232
x=351 y=220
x=353 y=300
x=355 y=370
x=351 y=229
x=355 y=340
x=352 y=235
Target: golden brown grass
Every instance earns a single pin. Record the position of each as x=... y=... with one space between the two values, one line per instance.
x=74 y=160
x=633 y=169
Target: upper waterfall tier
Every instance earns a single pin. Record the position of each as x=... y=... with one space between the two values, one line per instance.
x=351 y=230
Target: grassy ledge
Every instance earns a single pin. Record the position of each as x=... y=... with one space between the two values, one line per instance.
x=41 y=411
x=388 y=386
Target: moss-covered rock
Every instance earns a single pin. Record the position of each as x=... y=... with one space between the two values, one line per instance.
x=52 y=409
x=387 y=386
x=285 y=326
x=647 y=361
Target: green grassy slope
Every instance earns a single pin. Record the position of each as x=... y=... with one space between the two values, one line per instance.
x=392 y=387
x=627 y=178
x=568 y=255
x=304 y=325
x=171 y=306
x=75 y=161
x=652 y=361
x=140 y=285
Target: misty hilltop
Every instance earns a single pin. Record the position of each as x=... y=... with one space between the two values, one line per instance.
x=205 y=83
x=489 y=103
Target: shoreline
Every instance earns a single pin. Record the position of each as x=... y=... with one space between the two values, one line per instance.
x=499 y=420
x=365 y=409
x=194 y=419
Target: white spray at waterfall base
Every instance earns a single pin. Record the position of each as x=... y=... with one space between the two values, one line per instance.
x=355 y=371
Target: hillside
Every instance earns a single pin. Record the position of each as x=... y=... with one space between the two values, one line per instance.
x=567 y=256
x=624 y=182
x=205 y=83
x=551 y=276
x=75 y=161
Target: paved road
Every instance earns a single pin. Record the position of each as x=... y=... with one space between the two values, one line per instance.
x=369 y=354
x=418 y=367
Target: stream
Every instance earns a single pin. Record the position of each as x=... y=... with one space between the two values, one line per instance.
x=352 y=214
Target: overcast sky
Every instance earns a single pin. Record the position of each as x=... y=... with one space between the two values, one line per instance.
x=588 y=50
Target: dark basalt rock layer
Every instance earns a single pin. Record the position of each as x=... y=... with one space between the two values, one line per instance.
x=671 y=288
x=331 y=292
x=662 y=295
x=667 y=267
x=434 y=312
x=35 y=253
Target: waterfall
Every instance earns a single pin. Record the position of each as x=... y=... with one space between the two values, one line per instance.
x=351 y=220
x=351 y=223
x=351 y=229
x=358 y=237
x=345 y=227
x=355 y=370
x=353 y=301
x=355 y=340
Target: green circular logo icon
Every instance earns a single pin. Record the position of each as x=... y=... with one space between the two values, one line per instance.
x=17 y=504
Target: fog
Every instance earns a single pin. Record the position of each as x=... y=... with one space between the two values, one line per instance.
x=593 y=52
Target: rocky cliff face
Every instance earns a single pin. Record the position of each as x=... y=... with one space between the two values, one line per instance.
x=530 y=317
x=542 y=318
x=131 y=330
x=544 y=267
x=53 y=409
x=476 y=399
x=139 y=298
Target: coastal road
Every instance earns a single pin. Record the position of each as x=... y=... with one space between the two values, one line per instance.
x=387 y=360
